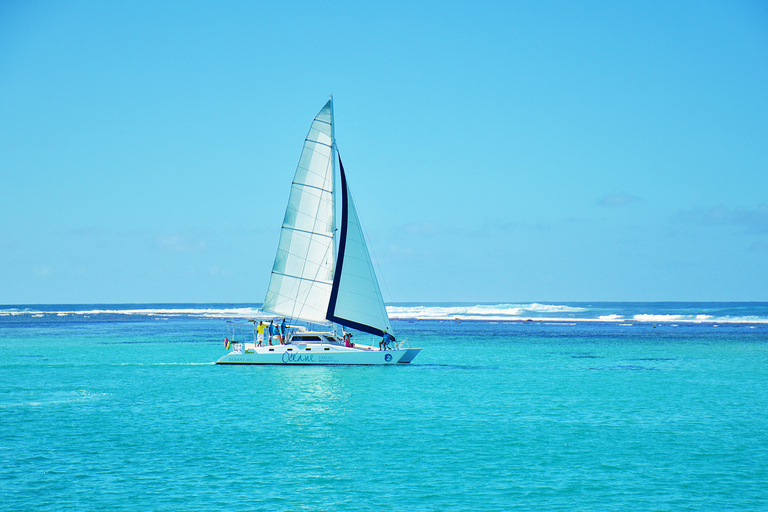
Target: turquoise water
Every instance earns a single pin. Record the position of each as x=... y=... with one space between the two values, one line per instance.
x=126 y=412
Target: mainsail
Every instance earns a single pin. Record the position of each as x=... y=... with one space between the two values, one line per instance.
x=309 y=281
x=302 y=276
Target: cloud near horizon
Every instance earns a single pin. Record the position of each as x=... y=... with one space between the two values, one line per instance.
x=42 y=271
x=178 y=243
x=422 y=229
x=617 y=200
x=754 y=220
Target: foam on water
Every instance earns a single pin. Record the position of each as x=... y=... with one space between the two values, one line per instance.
x=479 y=312
x=80 y=395
x=501 y=312
x=556 y=313
x=245 y=312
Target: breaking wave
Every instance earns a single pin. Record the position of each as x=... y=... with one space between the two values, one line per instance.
x=615 y=312
x=494 y=312
x=236 y=312
x=564 y=313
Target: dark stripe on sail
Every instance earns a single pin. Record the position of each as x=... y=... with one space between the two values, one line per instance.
x=330 y=315
x=342 y=246
x=359 y=327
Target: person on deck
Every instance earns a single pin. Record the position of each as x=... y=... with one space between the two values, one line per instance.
x=272 y=330
x=260 y=332
x=385 y=341
x=282 y=332
x=347 y=341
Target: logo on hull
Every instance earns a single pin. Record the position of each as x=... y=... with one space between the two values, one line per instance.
x=298 y=358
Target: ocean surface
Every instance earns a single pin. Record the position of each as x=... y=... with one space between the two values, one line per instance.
x=569 y=406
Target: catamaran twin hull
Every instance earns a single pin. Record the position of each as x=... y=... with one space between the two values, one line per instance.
x=320 y=353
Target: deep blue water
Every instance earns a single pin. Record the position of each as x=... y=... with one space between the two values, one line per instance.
x=655 y=407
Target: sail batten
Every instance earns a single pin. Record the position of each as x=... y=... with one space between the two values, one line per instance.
x=310 y=232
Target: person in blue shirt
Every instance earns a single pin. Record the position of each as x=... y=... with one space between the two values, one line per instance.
x=282 y=332
x=386 y=340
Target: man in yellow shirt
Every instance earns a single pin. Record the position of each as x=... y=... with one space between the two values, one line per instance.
x=260 y=332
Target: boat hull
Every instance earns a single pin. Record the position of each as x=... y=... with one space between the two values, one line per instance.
x=317 y=354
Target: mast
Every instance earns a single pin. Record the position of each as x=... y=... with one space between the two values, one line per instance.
x=334 y=153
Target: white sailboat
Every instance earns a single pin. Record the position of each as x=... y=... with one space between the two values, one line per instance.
x=322 y=275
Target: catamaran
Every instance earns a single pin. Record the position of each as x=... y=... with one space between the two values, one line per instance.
x=321 y=275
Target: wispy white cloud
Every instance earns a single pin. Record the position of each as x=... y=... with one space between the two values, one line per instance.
x=617 y=200
x=42 y=271
x=179 y=243
x=514 y=225
x=90 y=231
x=422 y=229
x=395 y=252
x=753 y=220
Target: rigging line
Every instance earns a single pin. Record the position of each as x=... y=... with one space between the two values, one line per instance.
x=376 y=261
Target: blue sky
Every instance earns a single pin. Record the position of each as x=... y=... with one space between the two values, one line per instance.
x=497 y=151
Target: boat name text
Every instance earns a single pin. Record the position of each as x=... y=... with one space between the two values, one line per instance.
x=298 y=358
